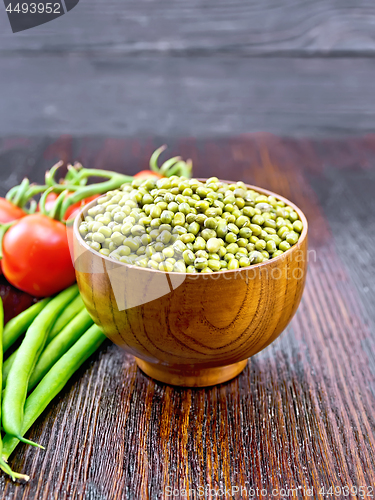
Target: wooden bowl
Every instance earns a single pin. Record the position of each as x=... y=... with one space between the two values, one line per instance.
x=192 y=329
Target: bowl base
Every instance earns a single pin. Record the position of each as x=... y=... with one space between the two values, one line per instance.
x=185 y=377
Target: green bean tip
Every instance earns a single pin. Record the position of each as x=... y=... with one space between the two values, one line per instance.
x=14 y=475
x=27 y=441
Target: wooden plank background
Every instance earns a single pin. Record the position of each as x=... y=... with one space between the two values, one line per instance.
x=301 y=415
x=323 y=27
x=140 y=68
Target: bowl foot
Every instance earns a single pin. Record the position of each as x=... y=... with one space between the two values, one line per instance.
x=184 y=376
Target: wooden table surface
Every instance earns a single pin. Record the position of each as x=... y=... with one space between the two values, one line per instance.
x=301 y=415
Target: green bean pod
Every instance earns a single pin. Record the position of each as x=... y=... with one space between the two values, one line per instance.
x=18 y=325
x=3 y=465
x=15 y=391
x=7 y=365
x=59 y=345
x=74 y=308
x=54 y=382
x=66 y=316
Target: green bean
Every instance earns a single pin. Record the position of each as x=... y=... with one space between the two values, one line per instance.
x=200 y=219
x=179 y=219
x=199 y=216
x=232 y=248
x=7 y=366
x=256 y=229
x=231 y=238
x=18 y=325
x=260 y=245
x=213 y=245
x=59 y=345
x=199 y=244
x=292 y=238
x=242 y=242
x=214 y=264
x=54 y=381
x=222 y=229
x=284 y=246
x=201 y=254
x=210 y=223
x=248 y=211
x=179 y=246
x=187 y=238
x=207 y=270
x=188 y=257
x=3 y=465
x=200 y=263
x=245 y=232
x=271 y=246
x=255 y=257
x=66 y=316
x=165 y=266
x=297 y=226
x=208 y=233
x=270 y=223
x=228 y=256
x=232 y=228
x=168 y=252
x=179 y=267
x=194 y=228
x=277 y=253
x=244 y=262
x=27 y=354
x=283 y=231
x=233 y=264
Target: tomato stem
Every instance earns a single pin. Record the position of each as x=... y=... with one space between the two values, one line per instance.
x=43 y=199
x=164 y=169
x=155 y=156
x=33 y=206
x=10 y=194
x=17 y=194
x=50 y=174
x=114 y=181
x=73 y=175
x=55 y=213
x=173 y=166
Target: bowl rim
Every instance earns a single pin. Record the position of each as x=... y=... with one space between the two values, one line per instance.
x=258 y=189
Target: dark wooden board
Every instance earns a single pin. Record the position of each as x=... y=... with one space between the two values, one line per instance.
x=140 y=68
x=163 y=26
x=140 y=96
x=300 y=415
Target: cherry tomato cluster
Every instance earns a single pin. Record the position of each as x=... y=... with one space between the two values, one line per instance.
x=34 y=244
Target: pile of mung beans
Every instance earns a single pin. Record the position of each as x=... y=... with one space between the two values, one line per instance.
x=184 y=225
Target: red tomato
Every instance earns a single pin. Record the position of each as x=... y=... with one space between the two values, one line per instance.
x=36 y=256
x=9 y=212
x=147 y=174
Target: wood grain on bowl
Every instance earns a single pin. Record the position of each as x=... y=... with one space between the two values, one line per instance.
x=192 y=329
